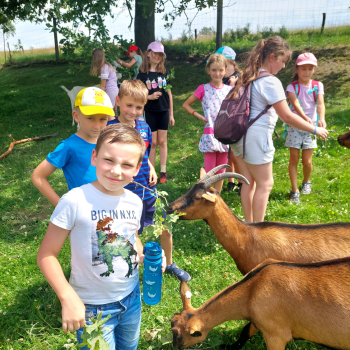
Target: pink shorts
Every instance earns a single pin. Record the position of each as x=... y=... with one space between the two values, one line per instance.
x=213 y=159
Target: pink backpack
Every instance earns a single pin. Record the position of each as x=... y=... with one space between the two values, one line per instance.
x=232 y=121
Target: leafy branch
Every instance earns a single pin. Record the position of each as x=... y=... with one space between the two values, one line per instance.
x=92 y=334
x=170 y=76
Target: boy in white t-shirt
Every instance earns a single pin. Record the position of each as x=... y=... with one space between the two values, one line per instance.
x=102 y=219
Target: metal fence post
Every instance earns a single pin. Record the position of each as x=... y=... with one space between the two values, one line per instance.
x=323 y=21
x=56 y=41
x=219 y=24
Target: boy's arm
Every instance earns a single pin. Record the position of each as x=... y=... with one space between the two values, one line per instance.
x=171 y=109
x=152 y=174
x=73 y=309
x=321 y=110
x=295 y=102
x=39 y=180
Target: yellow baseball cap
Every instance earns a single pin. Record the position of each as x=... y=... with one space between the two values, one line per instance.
x=93 y=100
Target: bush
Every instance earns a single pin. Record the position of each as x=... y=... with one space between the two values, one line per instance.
x=207 y=31
x=283 y=32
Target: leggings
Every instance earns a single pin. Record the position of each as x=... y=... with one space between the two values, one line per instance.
x=213 y=159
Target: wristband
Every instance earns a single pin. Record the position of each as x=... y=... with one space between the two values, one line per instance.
x=193 y=113
x=315 y=130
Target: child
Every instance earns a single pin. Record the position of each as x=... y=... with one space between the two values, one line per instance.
x=159 y=108
x=101 y=219
x=230 y=78
x=131 y=101
x=268 y=55
x=305 y=95
x=73 y=156
x=136 y=55
x=211 y=95
x=104 y=70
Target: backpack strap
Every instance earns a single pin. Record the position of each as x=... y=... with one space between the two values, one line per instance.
x=315 y=87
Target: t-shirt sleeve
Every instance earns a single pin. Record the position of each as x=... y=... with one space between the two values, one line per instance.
x=64 y=214
x=199 y=93
x=290 y=88
x=320 y=88
x=272 y=90
x=60 y=156
x=104 y=72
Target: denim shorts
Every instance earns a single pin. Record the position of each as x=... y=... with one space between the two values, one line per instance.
x=147 y=217
x=122 y=330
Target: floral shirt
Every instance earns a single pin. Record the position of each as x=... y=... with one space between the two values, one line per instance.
x=211 y=98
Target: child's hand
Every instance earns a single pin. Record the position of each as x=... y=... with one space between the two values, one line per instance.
x=232 y=81
x=155 y=95
x=152 y=177
x=73 y=312
x=171 y=121
x=141 y=258
x=163 y=261
x=322 y=123
x=321 y=132
x=307 y=119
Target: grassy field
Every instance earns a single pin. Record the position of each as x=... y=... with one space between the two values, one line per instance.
x=30 y=312
x=19 y=57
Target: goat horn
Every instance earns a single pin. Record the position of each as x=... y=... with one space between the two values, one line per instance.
x=213 y=171
x=219 y=177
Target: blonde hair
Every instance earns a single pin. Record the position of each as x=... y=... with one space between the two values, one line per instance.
x=135 y=89
x=121 y=133
x=146 y=64
x=274 y=45
x=98 y=61
x=216 y=58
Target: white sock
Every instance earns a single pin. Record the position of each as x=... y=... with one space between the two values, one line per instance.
x=163 y=168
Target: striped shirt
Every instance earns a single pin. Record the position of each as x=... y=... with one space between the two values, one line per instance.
x=143 y=176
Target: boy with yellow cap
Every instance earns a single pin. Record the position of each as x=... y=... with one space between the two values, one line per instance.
x=73 y=155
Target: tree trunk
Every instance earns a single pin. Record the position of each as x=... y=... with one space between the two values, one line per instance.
x=144 y=23
x=3 y=33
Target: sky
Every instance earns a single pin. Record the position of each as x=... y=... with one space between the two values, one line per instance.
x=293 y=14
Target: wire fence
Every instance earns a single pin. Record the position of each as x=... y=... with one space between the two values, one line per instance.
x=258 y=15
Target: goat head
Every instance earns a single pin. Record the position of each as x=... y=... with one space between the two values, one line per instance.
x=344 y=139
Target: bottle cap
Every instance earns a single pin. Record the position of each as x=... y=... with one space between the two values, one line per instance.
x=153 y=249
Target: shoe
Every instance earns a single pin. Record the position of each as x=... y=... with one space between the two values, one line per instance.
x=163 y=178
x=306 y=188
x=180 y=274
x=240 y=184
x=294 y=197
x=230 y=187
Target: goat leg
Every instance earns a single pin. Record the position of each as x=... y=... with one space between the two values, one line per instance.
x=248 y=331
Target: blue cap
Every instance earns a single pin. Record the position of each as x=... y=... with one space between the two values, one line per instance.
x=227 y=52
x=152 y=249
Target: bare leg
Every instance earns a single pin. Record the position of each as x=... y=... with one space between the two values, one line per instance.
x=218 y=185
x=293 y=168
x=163 y=146
x=248 y=191
x=262 y=175
x=235 y=166
x=230 y=163
x=307 y=163
x=166 y=241
x=152 y=154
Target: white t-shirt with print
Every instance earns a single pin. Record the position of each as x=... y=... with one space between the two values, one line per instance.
x=103 y=243
x=307 y=100
x=265 y=91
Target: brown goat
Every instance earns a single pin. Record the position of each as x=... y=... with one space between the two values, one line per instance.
x=344 y=139
x=283 y=300
x=250 y=244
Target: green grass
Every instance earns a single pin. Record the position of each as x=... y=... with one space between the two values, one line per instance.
x=30 y=312
x=242 y=40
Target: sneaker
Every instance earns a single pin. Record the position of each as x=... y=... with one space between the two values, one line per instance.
x=163 y=178
x=240 y=184
x=306 y=188
x=180 y=274
x=294 y=197
x=230 y=187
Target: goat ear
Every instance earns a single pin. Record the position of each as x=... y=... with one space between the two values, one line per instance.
x=208 y=197
x=201 y=173
x=185 y=292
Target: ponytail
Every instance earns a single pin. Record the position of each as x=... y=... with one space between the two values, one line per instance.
x=274 y=45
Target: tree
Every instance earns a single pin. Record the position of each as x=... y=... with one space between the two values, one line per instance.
x=8 y=29
x=144 y=23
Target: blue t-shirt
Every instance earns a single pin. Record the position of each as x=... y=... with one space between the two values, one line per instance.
x=73 y=156
x=143 y=176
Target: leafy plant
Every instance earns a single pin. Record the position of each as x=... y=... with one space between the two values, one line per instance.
x=92 y=334
x=170 y=77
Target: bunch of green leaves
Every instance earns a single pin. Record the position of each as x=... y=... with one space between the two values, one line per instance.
x=92 y=334
x=170 y=77
x=160 y=223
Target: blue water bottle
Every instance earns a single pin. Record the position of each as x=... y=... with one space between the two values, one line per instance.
x=152 y=273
